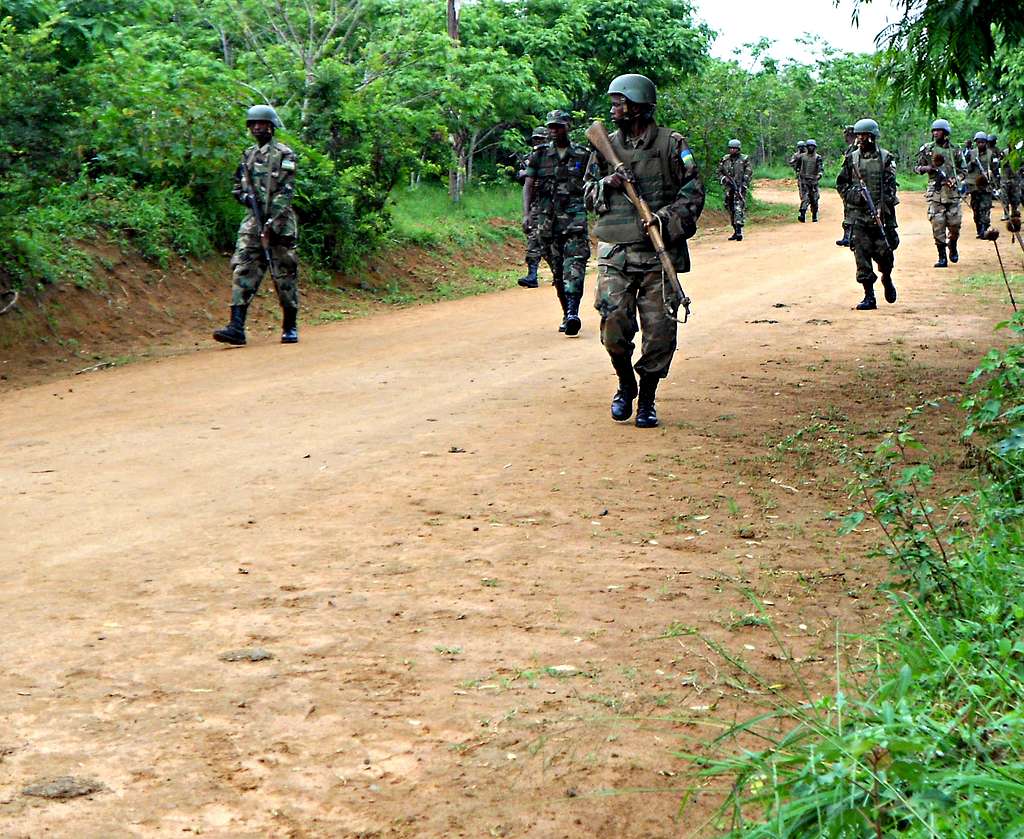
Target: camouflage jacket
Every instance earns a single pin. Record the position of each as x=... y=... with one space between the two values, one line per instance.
x=557 y=197
x=811 y=167
x=268 y=172
x=878 y=169
x=954 y=156
x=982 y=172
x=794 y=161
x=666 y=175
x=737 y=169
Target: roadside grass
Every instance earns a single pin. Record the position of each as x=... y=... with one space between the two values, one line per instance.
x=991 y=287
x=426 y=217
x=923 y=734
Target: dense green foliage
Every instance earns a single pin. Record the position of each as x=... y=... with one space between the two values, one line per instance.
x=929 y=741
x=374 y=94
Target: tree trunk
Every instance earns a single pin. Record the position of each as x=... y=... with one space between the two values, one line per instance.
x=457 y=138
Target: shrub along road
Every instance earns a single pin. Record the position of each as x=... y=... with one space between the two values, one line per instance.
x=485 y=605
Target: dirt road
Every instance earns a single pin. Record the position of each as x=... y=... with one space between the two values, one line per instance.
x=478 y=592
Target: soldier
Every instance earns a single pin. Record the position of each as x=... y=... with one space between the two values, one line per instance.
x=630 y=277
x=811 y=169
x=997 y=154
x=944 y=164
x=981 y=180
x=534 y=249
x=735 y=172
x=265 y=184
x=555 y=172
x=871 y=169
x=851 y=143
x=794 y=162
x=1011 y=181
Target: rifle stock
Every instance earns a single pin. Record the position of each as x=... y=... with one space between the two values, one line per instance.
x=598 y=136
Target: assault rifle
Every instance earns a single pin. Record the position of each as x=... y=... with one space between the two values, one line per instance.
x=876 y=214
x=598 y=136
x=253 y=203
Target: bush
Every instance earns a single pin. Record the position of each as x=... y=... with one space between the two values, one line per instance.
x=932 y=742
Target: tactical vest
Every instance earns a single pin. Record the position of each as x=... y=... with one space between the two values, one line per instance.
x=652 y=168
x=872 y=170
x=808 y=170
x=980 y=164
x=558 y=180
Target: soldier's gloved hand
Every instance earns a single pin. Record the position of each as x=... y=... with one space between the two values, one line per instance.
x=526 y=225
x=613 y=181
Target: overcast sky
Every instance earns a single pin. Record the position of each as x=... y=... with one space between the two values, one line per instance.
x=744 y=21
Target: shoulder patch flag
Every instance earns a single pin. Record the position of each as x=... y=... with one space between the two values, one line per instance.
x=686 y=156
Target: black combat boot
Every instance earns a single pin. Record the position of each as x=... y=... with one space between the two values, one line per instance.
x=942 y=256
x=622 y=401
x=845 y=241
x=560 y=291
x=814 y=214
x=646 y=415
x=289 y=327
x=735 y=230
x=572 y=315
x=980 y=229
x=234 y=332
x=954 y=254
x=869 y=297
x=888 y=289
x=530 y=280
x=739 y=232
x=803 y=216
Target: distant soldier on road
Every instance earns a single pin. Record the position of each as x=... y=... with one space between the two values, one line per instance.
x=735 y=173
x=851 y=143
x=809 y=173
x=555 y=173
x=630 y=276
x=265 y=184
x=869 y=172
x=982 y=180
x=1010 y=177
x=943 y=162
x=534 y=249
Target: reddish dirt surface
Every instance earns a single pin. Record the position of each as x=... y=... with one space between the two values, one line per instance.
x=479 y=593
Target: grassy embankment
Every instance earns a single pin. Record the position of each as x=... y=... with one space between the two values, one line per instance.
x=923 y=736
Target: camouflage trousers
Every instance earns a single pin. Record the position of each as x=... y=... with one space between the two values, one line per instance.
x=867 y=246
x=534 y=248
x=945 y=217
x=736 y=204
x=1011 y=197
x=630 y=284
x=809 y=195
x=566 y=253
x=249 y=265
x=981 y=205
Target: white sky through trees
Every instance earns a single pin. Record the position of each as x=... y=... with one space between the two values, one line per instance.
x=783 y=21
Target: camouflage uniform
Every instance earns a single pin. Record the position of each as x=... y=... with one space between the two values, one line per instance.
x=560 y=215
x=809 y=173
x=943 y=198
x=878 y=168
x=1011 y=181
x=268 y=173
x=981 y=180
x=629 y=275
x=739 y=171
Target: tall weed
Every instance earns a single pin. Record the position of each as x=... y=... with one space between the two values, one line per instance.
x=929 y=742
